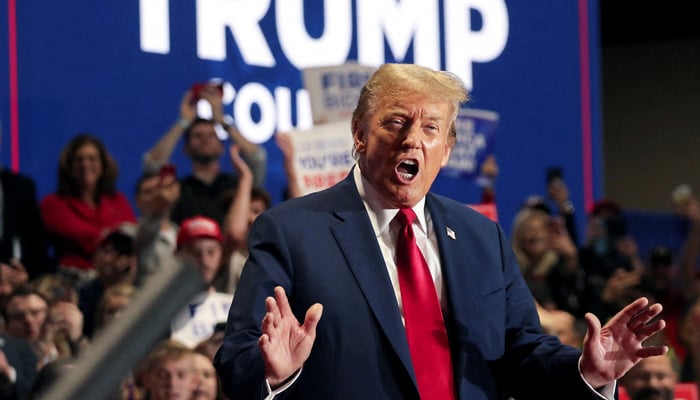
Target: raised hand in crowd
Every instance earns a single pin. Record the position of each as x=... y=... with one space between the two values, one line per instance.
x=560 y=241
x=154 y=241
x=204 y=190
x=247 y=204
x=627 y=247
x=284 y=142
x=558 y=193
x=236 y=221
x=157 y=195
x=620 y=287
x=65 y=317
x=213 y=95
x=160 y=154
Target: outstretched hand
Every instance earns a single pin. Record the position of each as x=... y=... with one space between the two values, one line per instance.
x=238 y=163
x=188 y=107
x=609 y=352
x=284 y=343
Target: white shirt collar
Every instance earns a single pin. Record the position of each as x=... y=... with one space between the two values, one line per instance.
x=379 y=212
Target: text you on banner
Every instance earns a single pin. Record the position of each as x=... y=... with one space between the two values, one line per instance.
x=322 y=155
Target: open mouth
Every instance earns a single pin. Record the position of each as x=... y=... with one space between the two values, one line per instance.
x=407 y=169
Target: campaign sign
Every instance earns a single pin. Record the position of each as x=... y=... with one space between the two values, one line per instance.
x=334 y=90
x=322 y=155
x=476 y=131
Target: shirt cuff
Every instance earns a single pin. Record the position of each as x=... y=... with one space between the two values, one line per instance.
x=272 y=393
x=606 y=392
x=12 y=374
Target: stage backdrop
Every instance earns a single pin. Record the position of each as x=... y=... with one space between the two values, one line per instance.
x=118 y=69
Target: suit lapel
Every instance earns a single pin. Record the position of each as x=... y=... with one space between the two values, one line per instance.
x=358 y=243
x=464 y=269
x=459 y=274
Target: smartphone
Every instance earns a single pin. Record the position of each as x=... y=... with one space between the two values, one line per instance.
x=557 y=225
x=63 y=293
x=167 y=169
x=554 y=173
x=198 y=87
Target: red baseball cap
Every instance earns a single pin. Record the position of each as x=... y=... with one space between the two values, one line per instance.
x=198 y=227
x=605 y=206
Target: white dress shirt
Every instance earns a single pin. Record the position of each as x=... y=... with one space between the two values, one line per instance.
x=386 y=230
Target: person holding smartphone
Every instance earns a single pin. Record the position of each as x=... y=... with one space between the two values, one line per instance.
x=204 y=191
x=558 y=193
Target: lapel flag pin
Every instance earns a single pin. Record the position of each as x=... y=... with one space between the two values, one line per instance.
x=451 y=233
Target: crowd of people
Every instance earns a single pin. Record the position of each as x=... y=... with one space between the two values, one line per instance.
x=77 y=258
x=71 y=263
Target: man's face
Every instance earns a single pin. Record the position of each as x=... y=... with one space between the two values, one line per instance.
x=652 y=379
x=112 y=267
x=207 y=255
x=26 y=316
x=402 y=146
x=203 y=145
x=534 y=236
x=171 y=380
x=205 y=379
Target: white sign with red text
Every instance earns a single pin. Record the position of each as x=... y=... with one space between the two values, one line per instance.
x=322 y=155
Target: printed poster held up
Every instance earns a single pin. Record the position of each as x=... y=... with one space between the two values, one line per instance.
x=322 y=155
x=476 y=133
x=334 y=90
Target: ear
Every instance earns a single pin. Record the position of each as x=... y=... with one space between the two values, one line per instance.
x=358 y=137
x=446 y=156
x=449 y=144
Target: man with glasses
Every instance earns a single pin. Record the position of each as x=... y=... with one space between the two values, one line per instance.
x=29 y=316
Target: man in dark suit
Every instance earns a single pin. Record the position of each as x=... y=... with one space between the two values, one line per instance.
x=339 y=253
x=17 y=368
x=22 y=238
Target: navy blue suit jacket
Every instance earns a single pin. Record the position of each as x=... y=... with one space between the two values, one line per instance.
x=21 y=219
x=321 y=248
x=22 y=358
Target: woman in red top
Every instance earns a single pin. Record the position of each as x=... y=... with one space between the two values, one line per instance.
x=85 y=204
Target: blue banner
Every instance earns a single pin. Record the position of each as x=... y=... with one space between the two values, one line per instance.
x=118 y=69
x=476 y=134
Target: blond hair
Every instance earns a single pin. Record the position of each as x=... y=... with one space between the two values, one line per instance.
x=395 y=81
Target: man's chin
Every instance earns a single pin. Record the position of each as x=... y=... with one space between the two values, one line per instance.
x=203 y=159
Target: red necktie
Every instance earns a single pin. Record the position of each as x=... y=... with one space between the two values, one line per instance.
x=425 y=327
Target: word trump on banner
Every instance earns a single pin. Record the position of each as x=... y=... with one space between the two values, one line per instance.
x=322 y=155
x=424 y=31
